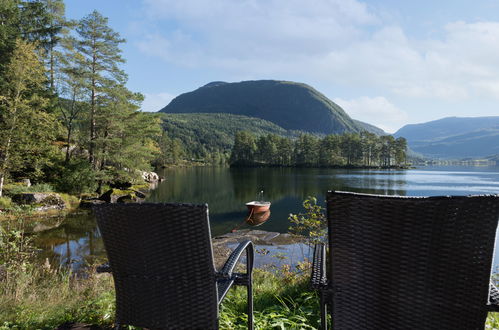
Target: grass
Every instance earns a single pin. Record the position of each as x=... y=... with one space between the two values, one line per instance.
x=16 y=188
x=34 y=296
x=44 y=298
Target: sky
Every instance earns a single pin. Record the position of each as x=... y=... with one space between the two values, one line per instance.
x=386 y=62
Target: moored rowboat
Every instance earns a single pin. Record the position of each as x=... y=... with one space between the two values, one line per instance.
x=258 y=206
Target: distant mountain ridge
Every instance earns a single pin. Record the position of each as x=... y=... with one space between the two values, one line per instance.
x=290 y=105
x=454 y=137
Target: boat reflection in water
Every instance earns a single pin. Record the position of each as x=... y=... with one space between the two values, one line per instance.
x=256 y=219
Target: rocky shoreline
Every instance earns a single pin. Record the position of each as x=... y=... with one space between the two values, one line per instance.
x=265 y=242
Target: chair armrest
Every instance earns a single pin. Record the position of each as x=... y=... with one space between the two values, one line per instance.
x=226 y=278
x=230 y=264
x=104 y=268
x=318 y=277
x=493 y=305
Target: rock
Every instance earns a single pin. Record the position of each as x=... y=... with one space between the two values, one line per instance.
x=106 y=197
x=45 y=200
x=139 y=194
x=150 y=177
x=111 y=196
x=221 y=243
x=26 y=182
x=88 y=203
x=125 y=199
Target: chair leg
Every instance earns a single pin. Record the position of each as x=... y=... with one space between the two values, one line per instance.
x=250 y=305
x=323 y=308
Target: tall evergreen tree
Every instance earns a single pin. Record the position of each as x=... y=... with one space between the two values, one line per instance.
x=400 y=150
x=57 y=27
x=329 y=151
x=73 y=96
x=99 y=45
x=244 y=148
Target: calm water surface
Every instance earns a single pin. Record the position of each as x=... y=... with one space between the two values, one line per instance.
x=227 y=190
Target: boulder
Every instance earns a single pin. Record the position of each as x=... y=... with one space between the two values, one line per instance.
x=45 y=200
x=88 y=203
x=106 y=197
x=139 y=194
x=150 y=177
x=112 y=196
x=125 y=199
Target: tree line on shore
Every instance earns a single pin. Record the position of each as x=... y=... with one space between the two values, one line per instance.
x=66 y=115
x=350 y=149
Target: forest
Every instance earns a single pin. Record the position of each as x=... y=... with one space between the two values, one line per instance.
x=66 y=115
x=350 y=149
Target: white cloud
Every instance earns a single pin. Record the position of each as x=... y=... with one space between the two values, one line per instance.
x=377 y=111
x=155 y=102
x=264 y=31
x=341 y=42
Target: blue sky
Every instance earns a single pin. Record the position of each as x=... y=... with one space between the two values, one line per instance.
x=386 y=62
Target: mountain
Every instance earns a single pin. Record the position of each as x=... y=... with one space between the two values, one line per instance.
x=370 y=128
x=290 y=105
x=454 y=137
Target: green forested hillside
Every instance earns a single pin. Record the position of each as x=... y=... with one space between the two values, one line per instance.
x=290 y=105
x=203 y=133
x=370 y=128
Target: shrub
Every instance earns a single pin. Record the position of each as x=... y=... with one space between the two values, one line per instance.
x=5 y=203
x=311 y=223
x=77 y=177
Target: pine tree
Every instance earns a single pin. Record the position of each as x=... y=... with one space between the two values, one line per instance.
x=99 y=45
x=244 y=148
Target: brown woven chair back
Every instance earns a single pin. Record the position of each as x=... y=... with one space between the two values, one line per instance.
x=410 y=262
x=162 y=263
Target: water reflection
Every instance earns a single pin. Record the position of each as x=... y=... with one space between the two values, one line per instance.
x=226 y=191
x=75 y=243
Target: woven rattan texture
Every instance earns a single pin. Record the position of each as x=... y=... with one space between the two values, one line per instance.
x=410 y=263
x=162 y=263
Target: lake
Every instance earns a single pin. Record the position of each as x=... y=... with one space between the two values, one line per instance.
x=227 y=190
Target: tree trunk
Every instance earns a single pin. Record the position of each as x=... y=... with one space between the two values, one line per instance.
x=1 y=183
x=92 y=127
x=92 y=113
x=68 y=142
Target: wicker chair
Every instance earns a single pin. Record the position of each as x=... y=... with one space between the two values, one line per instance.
x=161 y=259
x=407 y=262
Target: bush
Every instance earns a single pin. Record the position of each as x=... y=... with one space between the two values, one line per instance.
x=311 y=224
x=5 y=203
x=76 y=178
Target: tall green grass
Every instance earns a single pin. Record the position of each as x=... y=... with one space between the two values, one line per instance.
x=37 y=296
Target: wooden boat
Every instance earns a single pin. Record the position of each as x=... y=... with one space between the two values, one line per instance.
x=258 y=206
